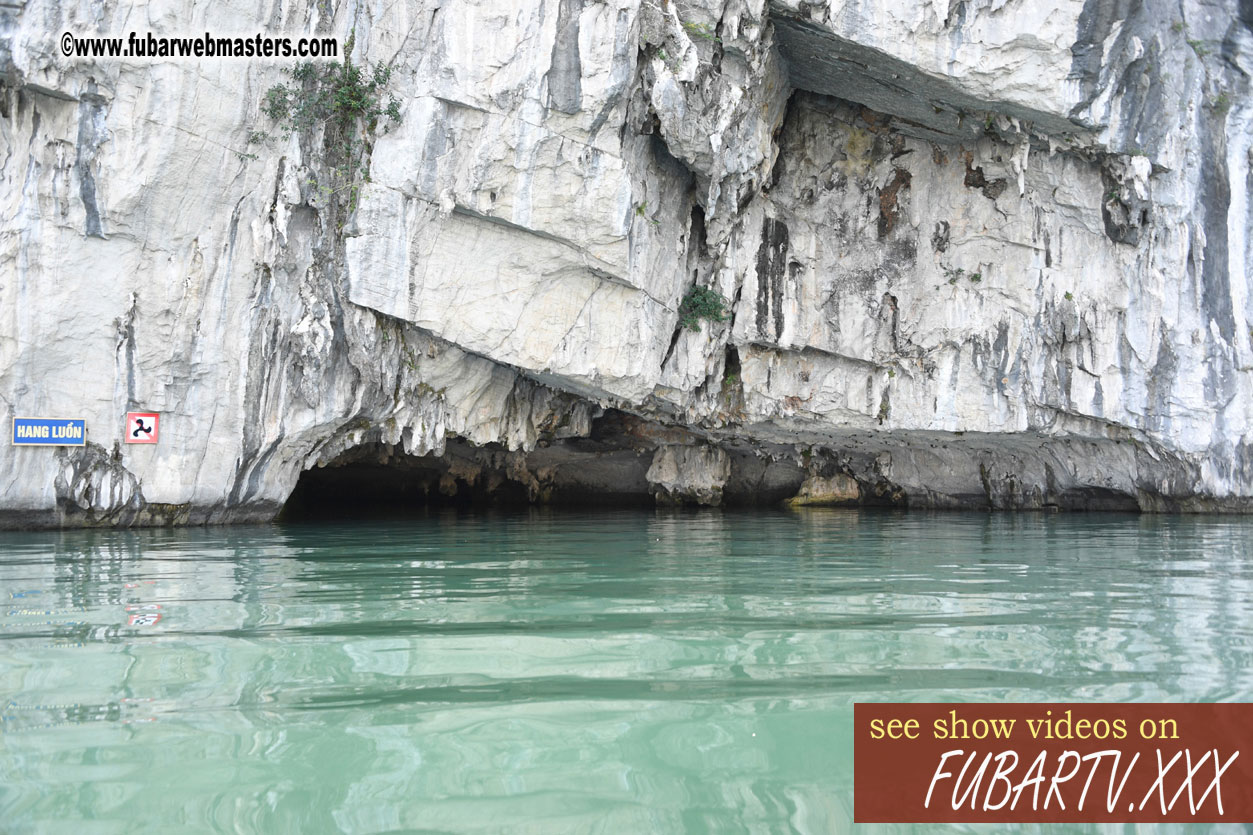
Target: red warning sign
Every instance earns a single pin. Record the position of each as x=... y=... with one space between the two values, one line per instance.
x=142 y=427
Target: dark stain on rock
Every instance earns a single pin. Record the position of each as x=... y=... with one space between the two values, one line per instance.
x=91 y=134
x=1000 y=346
x=1122 y=212
x=1143 y=98
x=1122 y=226
x=1161 y=382
x=1097 y=499
x=771 y=273
x=565 y=70
x=1096 y=24
x=956 y=16
x=1064 y=380
x=125 y=348
x=974 y=175
x=889 y=316
x=731 y=363
x=903 y=252
x=889 y=208
x=975 y=178
x=1216 y=199
x=882 y=493
x=940 y=237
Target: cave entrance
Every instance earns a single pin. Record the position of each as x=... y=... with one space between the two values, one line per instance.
x=380 y=481
x=624 y=462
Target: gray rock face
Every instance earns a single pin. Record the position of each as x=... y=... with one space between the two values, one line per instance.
x=988 y=253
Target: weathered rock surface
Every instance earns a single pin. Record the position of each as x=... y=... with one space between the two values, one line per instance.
x=977 y=253
x=837 y=490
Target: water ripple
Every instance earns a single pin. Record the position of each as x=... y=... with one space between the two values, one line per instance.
x=616 y=672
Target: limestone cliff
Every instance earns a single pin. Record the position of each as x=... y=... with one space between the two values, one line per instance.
x=976 y=253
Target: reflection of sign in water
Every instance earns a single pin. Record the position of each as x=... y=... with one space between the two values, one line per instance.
x=148 y=614
x=49 y=431
x=141 y=427
x=37 y=717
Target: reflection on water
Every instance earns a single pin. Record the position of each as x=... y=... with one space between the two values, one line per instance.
x=553 y=672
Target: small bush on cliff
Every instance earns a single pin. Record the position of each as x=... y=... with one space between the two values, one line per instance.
x=334 y=94
x=700 y=30
x=347 y=102
x=702 y=303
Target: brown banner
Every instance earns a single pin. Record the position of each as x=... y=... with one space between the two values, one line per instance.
x=1026 y=763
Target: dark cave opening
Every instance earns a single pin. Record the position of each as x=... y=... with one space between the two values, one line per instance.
x=378 y=480
x=627 y=461
x=613 y=467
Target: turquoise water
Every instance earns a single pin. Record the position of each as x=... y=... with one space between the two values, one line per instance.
x=558 y=672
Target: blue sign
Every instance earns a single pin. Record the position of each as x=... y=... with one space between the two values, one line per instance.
x=49 y=432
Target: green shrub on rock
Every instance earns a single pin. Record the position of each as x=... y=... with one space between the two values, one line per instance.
x=702 y=303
